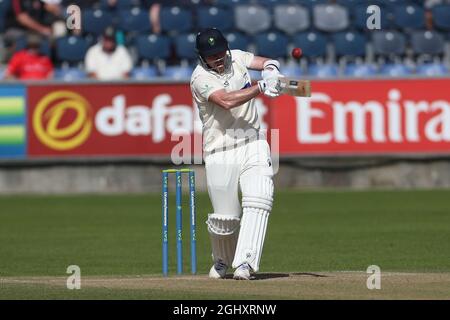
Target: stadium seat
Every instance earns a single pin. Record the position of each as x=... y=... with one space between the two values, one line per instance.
x=330 y=17
x=43 y=49
x=392 y=4
x=360 y=70
x=69 y=74
x=231 y=3
x=271 y=3
x=291 y=69
x=389 y=43
x=71 y=49
x=4 y=8
x=272 y=45
x=360 y=16
x=432 y=69
x=427 y=43
x=349 y=4
x=120 y=4
x=310 y=4
x=395 y=70
x=323 y=70
x=185 y=46
x=409 y=17
x=313 y=44
x=144 y=73
x=291 y=18
x=179 y=73
x=96 y=21
x=237 y=40
x=349 y=43
x=218 y=17
x=252 y=19
x=134 y=20
x=441 y=17
x=176 y=19
x=152 y=47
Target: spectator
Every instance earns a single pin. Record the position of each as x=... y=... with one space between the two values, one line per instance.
x=30 y=64
x=28 y=15
x=107 y=60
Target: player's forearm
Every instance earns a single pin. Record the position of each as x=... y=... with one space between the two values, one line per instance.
x=237 y=98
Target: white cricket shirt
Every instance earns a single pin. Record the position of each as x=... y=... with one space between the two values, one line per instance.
x=220 y=126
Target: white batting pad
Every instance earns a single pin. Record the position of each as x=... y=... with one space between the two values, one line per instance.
x=223 y=231
x=257 y=192
x=251 y=237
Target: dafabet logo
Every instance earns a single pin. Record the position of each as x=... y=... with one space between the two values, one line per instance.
x=62 y=120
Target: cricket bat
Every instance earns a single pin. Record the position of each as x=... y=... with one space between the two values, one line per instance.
x=295 y=87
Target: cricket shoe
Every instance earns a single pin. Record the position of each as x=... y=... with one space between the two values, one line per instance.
x=243 y=272
x=218 y=270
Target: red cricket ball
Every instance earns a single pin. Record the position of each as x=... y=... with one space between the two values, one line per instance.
x=297 y=53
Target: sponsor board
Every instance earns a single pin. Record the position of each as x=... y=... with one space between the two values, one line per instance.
x=12 y=122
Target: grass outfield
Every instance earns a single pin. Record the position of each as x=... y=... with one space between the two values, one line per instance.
x=318 y=245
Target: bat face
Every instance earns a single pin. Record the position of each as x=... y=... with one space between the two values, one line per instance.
x=295 y=87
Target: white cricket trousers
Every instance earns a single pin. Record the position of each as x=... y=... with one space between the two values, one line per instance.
x=226 y=170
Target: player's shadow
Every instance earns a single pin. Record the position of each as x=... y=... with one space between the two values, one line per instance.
x=272 y=275
x=309 y=274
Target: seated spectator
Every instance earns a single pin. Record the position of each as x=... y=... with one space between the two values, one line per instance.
x=107 y=60
x=29 y=15
x=30 y=64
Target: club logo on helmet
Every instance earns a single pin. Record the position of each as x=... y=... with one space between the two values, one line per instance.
x=211 y=41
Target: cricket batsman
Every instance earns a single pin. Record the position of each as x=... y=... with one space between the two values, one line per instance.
x=236 y=152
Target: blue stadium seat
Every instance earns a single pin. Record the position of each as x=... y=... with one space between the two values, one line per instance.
x=291 y=18
x=153 y=47
x=427 y=43
x=349 y=4
x=330 y=17
x=360 y=16
x=310 y=4
x=218 y=17
x=144 y=73
x=271 y=3
x=176 y=19
x=237 y=40
x=134 y=20
x=409 y=17
x=69 y=74
x=349 y=43
x=252 y=19
x=71 y=49
x=313 y=44
x=4 y=8
x=432 y=69
x=180 y=73
x=323 y=70
x=389 y=43
x=392 y=4
x=272 y=45
x=441 y=17
x=96 y=21
x=44 y=48
x=291 y=70
x=395 y=70
x=360 y=70
x=120 y=4
x=231 y=3
x=185 y=46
